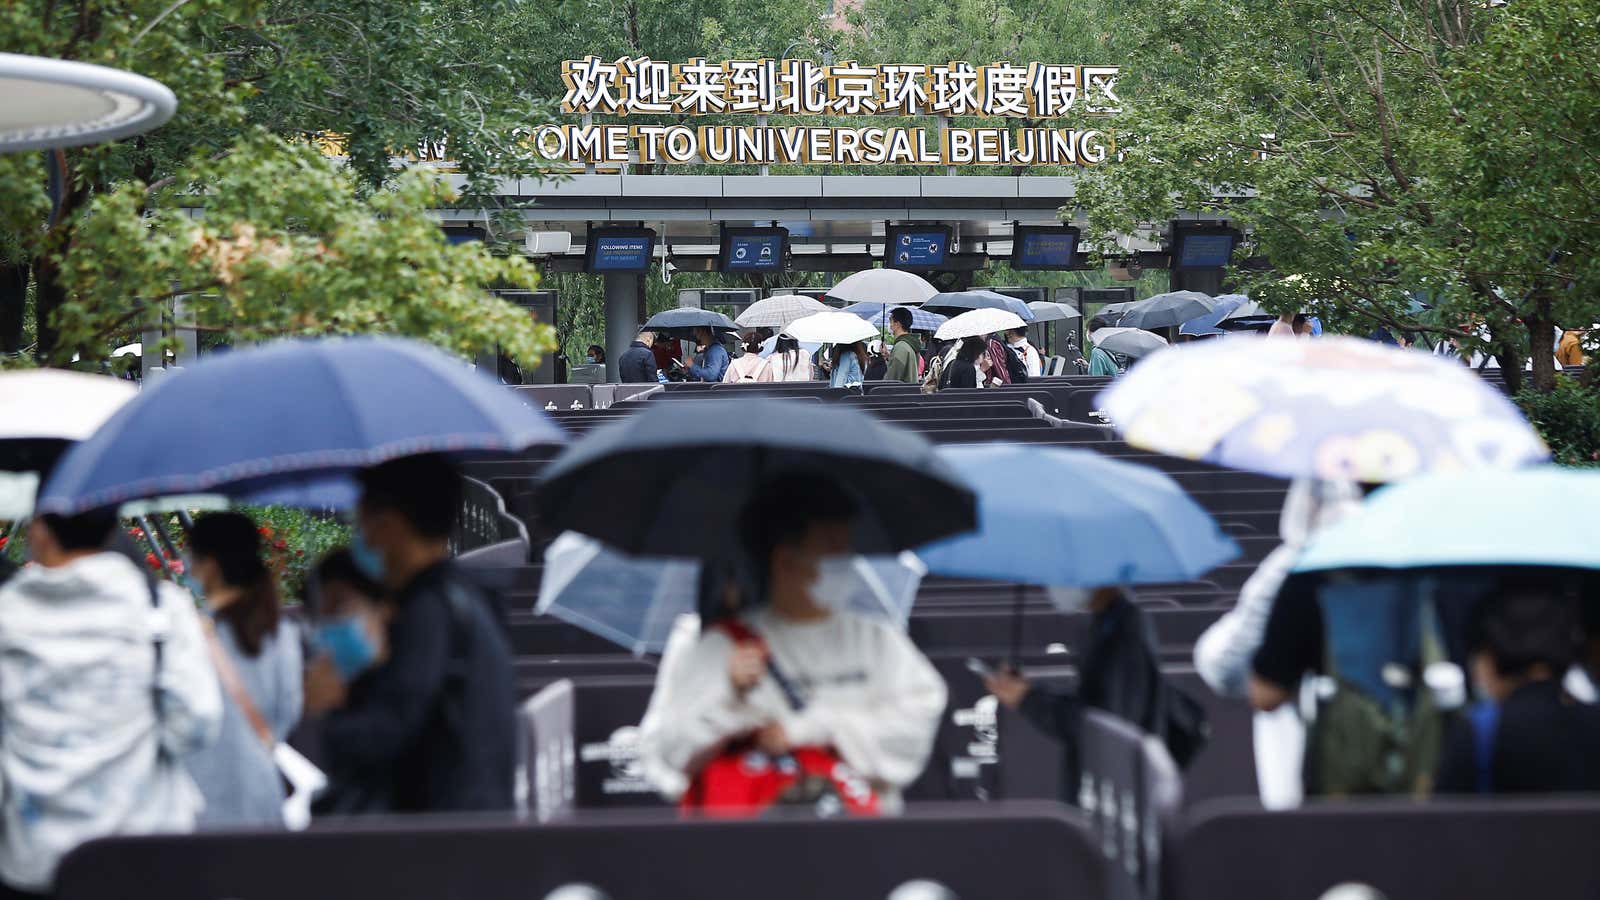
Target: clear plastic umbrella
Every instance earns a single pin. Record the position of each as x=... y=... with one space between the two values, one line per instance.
x=634 y=601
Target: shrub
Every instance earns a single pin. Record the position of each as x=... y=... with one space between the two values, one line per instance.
x=1569 y=420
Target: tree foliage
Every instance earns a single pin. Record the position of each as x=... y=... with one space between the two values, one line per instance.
x=257 y=82
x=1435 y=150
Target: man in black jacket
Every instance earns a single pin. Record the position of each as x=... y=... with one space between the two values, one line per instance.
x=431 y=727
x=1117 y=673
x=637 y=364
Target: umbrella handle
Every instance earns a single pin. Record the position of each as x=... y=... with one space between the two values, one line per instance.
x=1016 y=628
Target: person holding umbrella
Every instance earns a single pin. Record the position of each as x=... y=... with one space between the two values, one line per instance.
x=971 y=367
x=906 y=349
x=712 y=363
x=848 y=365
x=431 y=727
x=729 y=686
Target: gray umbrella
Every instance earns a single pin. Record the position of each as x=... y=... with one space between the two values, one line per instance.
x=1128 y=341
x=637 y=484
x=1111 y=312
x=1166 y=310
x=954 y=303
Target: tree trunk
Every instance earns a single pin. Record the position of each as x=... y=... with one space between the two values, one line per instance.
x=13 y=299
x=49 y=292
x=1541 y=344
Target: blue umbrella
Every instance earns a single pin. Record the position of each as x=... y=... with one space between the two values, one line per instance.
x=635 y=601
x=1075 y=518
x=954 y=303
x=1207 y=325
x=1448 y=521
x=878 y=314
x=253 y=421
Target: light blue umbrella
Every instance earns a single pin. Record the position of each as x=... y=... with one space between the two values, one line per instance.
x=252 y=422
x=1459 y=519
x=878 y=314
x=633 y=601
x=1076 y=518
x=954 y=303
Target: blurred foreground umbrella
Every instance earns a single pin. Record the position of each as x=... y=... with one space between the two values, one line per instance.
x=293 y=412
x=1133 y=342
x=634 y=601
x=1166 y=310
x=1458 y=520
x=43 y=411
x=892 y=286
x=670 y=481
x=1335 y=408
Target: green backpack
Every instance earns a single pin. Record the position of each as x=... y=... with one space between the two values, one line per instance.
x=1357 y=745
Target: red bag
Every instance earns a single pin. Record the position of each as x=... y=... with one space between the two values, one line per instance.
x=743 y=781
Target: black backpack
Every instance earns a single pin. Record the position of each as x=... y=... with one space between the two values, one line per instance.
x=1014 y=365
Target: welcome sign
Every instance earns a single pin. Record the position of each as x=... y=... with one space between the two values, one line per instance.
x=1036 y=92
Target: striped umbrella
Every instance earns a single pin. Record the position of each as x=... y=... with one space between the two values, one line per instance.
x=878 y=314
x=778 y=312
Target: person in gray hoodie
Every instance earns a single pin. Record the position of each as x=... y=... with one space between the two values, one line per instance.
x=105 y=685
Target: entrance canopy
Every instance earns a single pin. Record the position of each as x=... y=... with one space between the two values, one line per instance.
x=826 y=215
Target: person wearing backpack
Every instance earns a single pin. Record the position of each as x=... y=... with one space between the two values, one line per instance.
x=1383 y=651
x=1120 y=673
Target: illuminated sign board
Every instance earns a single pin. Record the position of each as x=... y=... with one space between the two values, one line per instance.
x=753 y=249
x=618 y=249
x=916 y=246
x=1041 y=248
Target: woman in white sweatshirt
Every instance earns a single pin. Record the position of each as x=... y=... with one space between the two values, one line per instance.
x=862 y=689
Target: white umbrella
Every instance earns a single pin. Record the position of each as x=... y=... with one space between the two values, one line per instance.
x=1047 y=311
x=891 y=286
x=52 y=404
x=1128 y=341
x=779 y=311
x=831 y=327
x=978 y=322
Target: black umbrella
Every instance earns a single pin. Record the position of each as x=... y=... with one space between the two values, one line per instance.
x=672 y=480
x=1167 y=310
x=687 y=318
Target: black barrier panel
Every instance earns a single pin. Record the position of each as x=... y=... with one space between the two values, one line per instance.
x=1022 y=851
x=1540 y=848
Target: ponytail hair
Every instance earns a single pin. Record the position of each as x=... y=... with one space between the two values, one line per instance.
x=230 y=540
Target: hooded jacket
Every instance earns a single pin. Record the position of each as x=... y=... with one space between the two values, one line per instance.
x=93 y=733
x=903 y=359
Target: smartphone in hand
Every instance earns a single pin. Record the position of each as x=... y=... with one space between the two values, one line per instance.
x=980 y=668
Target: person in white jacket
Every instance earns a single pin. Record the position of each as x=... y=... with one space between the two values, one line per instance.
x=1223 y=653
x=93 y=731
x=865 y=690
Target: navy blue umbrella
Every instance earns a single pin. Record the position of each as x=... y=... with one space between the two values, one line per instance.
x=954 y=303
x=254 y=421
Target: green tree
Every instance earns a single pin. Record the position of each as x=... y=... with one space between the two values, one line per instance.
x=1441 y=151
x=252 y=79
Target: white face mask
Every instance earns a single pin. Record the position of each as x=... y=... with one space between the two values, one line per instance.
x=836 y=580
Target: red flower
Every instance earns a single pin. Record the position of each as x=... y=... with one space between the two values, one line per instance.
x=279 y=545
x=175 y=564
x=151 y=561
x=3 y=539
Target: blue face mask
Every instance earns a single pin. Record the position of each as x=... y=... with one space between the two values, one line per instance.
x=348 y=645
x=366 y=558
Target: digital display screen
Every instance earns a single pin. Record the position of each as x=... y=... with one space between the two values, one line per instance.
x=916 y=246
x=1043 y=248
x=753 y=249
x=619 y=250
x=1203 y=250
